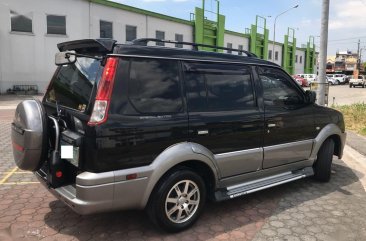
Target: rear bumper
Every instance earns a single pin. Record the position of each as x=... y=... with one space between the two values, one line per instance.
x=356 y=83
x=99 y=196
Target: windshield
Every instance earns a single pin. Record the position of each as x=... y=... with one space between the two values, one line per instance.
x=72 y=85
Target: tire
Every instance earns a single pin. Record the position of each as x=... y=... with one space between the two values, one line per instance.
x=323 y=164
x=166 y=198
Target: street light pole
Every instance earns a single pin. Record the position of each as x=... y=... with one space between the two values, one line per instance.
x=274 y=29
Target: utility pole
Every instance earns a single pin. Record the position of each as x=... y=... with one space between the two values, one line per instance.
x=358 y=55
x=323 y=52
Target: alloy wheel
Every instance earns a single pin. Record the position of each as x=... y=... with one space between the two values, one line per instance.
x=182 y=201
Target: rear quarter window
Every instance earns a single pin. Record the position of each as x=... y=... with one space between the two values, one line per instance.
x=154 y=86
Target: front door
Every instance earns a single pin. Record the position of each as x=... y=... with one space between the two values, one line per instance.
x=224 y=116
x=289 y=120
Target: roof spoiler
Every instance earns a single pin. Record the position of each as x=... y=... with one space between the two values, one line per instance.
x=88 y=45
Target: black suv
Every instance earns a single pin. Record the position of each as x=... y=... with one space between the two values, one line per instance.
x=133 y=126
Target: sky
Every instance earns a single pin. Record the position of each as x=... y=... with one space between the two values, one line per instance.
x=347 y=18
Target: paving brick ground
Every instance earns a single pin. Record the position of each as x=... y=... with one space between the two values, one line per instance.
x=302 y=210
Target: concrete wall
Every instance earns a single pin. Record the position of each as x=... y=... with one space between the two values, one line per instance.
x=299 y=67
x=28 y=58
x=119 y=18
x=279 y=49
x=236 y=41
x=170 y=29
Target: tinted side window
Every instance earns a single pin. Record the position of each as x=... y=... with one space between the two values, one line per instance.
x=278 y=89
x=213 y=87
x=154 y=86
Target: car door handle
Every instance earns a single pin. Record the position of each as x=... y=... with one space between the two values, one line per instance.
x=202 y=132
x=271 y=125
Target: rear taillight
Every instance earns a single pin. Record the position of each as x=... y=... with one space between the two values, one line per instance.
x=102 y=100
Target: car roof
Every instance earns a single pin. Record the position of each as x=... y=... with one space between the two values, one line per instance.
x=186 y=54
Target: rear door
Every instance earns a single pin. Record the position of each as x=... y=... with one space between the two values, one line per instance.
x=289 y=121
x=224 y=116
x=146 y=114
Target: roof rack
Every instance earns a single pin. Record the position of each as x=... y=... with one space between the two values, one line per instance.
x=145 y=41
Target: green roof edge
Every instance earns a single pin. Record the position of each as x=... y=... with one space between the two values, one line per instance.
x=141 y=11
x=166 y=17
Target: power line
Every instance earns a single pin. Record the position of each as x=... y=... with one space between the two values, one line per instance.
x=334 y=40
x=348 y=43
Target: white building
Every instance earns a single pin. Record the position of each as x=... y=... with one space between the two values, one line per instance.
x=30 y=31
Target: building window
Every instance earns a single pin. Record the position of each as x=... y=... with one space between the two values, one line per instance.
x=160 y=35
x=276 y=55
x=230 y=46
x=106 y=29
x=240 y=47
x=270 y=54
x=131 y=33
x=179 y=38
x=295 y=58
x=21 y=23
x=300 y=59
x=56 y=24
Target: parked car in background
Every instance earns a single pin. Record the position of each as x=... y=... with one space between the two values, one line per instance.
x=360 y=81
x=332 y=81
x=348 y=77
x=339 y=78
x=309 y=77
x=301 y=81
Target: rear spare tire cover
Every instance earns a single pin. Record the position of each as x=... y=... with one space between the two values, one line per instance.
x=29 y=135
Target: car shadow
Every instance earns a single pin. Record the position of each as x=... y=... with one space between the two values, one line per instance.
x=242 y=216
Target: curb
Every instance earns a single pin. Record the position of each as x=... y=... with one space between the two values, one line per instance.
x=10 y=107
x=357 y=162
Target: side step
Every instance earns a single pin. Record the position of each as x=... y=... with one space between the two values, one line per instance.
x=263 y=183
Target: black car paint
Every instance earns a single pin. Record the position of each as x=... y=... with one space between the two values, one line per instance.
x=133 y=141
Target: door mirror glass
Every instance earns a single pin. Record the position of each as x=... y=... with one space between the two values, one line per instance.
x=67 y=57
x=310 y=96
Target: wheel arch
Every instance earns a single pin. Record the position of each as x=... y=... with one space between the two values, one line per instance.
x=337 y=145
x=178 y=156
x=329 y=131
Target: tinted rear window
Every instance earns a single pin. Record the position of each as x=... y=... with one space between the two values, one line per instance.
x=154 y=86
x=73 y=84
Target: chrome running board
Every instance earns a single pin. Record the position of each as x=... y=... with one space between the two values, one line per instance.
x=263 y=183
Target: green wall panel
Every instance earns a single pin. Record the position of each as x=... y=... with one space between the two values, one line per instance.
x=208 y=31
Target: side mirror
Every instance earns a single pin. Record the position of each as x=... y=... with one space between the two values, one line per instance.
x=67 y=57
x=310 y=96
